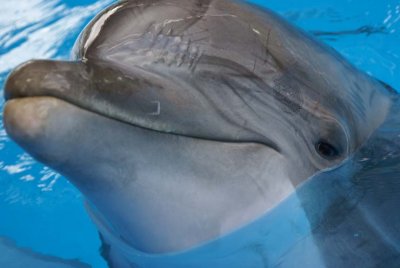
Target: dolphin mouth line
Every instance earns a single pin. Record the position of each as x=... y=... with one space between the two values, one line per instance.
x=269 y=144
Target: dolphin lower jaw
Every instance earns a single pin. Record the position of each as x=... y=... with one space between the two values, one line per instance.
x=146 y=169
x=26 y=118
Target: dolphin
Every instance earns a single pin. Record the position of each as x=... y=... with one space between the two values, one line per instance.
x=182 y=122
x=13 y=256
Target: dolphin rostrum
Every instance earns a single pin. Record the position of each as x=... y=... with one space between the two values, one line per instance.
x=184 y=121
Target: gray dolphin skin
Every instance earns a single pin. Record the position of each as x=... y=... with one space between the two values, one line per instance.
x=185 y=122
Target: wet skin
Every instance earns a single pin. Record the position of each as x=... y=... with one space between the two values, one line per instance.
x=200 y=115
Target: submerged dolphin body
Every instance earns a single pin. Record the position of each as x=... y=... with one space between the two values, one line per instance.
x=12 y=256
x=182 y=121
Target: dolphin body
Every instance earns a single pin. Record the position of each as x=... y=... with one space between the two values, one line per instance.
x=13 y=256
x=185 y=122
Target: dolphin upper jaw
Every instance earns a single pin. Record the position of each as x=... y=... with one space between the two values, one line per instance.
x=142 y=98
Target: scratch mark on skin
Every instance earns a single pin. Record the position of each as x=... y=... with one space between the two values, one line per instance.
x=256 y=31
x=158 y=110
x=201 y=39
x=267 y=45
x=167 y=22
x=196 y=61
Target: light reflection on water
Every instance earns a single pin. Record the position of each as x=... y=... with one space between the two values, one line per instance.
x=39 y=29
x=43 y=211
x=366 y=32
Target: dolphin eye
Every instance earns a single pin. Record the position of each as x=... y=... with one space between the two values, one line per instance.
x=326 y=150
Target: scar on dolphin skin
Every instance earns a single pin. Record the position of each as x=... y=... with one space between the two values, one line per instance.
x=201 y=133
x=289 y=95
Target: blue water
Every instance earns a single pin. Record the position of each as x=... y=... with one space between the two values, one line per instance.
x=39 y=209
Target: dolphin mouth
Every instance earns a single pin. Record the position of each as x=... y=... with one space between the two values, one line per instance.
x=143 y=165
x=36 y=79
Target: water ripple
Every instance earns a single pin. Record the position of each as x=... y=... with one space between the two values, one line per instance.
x=39 y=29
x=30 y=30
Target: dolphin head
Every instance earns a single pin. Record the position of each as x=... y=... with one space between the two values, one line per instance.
x=182 y=121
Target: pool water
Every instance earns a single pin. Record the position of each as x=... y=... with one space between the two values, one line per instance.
x=41 y=210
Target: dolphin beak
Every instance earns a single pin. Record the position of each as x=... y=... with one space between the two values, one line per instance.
x=44 y=78
x=28 y=91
